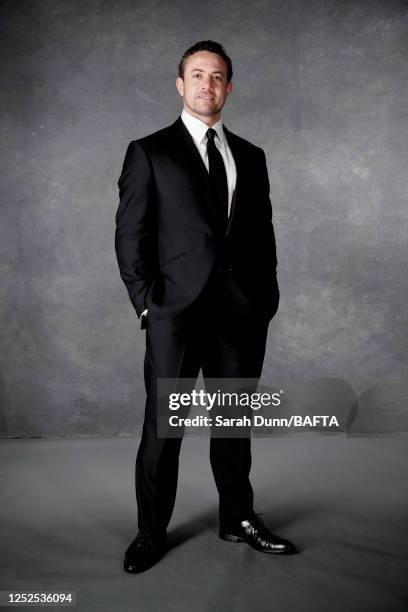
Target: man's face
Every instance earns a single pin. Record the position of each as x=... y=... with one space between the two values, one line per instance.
x=204 y=88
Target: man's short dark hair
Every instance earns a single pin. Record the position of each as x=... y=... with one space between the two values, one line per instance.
x=206 y=45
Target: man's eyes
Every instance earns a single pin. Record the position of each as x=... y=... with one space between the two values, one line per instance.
x=217 y=77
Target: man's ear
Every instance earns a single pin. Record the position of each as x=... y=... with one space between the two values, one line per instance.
x=229 y=88
x=180 y=86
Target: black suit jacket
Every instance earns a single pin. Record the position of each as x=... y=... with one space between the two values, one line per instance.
x=168 y=240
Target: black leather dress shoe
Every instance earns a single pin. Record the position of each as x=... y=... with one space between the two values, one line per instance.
x=144 y=552
x=255 y=533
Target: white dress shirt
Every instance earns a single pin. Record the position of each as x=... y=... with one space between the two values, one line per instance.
x=198 y=130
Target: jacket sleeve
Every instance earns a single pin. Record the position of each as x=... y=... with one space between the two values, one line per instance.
x=269 y=240
x=135 y=235
x=267 y=213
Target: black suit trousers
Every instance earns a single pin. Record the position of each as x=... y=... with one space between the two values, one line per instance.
x=224 y=347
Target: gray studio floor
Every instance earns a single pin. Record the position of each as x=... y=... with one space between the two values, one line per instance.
x=68 y=512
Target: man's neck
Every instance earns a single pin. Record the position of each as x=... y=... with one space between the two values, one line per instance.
x=210 y=121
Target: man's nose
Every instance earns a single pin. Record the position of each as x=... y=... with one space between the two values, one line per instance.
x=207 y=83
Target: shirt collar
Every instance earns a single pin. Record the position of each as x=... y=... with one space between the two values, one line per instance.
x=198 y=128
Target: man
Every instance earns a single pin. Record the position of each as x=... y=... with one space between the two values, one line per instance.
x=196 y=250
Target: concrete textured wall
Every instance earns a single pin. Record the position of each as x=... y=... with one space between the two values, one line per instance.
x=321 y=85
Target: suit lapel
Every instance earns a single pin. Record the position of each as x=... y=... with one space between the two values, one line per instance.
x=186 y=149
x=236 y=154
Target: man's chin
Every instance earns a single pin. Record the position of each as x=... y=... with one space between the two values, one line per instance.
x=207 y=112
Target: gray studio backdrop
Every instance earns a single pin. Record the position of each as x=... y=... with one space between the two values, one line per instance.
x=321 y=85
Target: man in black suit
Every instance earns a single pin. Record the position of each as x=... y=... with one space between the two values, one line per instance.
x=196 y=250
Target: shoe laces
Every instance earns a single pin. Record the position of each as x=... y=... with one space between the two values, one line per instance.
x=258 y=529
x=144 y=540
x=263 y=534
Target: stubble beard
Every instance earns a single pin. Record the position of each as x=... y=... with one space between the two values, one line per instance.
x=205 y=113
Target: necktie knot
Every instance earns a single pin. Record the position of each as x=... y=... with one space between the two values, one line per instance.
x=211 y=133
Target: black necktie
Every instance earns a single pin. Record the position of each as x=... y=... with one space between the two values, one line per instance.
x=218 y=176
